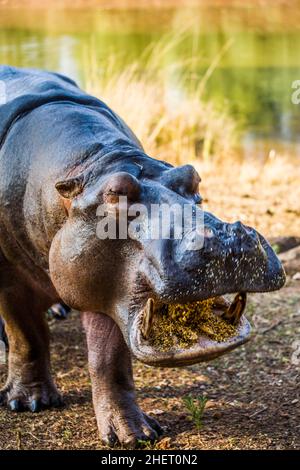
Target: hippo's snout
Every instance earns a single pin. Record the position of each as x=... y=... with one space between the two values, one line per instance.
x=226 y=239
x=241 y=237
x=226 y=258
x=233 y=258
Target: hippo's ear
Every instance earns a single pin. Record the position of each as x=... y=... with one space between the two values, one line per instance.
x=70 y=188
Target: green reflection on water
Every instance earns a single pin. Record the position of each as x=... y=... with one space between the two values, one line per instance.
x=253 y=77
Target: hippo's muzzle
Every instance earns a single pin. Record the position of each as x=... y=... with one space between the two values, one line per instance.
x=234 y=259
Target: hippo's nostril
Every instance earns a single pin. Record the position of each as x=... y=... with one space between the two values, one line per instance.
x=208 y=232
x=238 y=228
x=249 y=230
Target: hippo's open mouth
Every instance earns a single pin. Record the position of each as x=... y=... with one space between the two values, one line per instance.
x=174 y=334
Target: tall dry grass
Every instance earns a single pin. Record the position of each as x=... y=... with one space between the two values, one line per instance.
x=164 y=105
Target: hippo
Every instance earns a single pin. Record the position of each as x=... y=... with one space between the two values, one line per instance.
x=64 y=154
x=3 y=336
x=57 y=311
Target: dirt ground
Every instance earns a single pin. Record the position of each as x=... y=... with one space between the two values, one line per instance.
x=263 y=195
x=253 y=393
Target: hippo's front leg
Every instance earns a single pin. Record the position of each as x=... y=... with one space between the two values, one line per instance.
x=119 y=418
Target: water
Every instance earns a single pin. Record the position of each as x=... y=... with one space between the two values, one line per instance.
x=253 y=77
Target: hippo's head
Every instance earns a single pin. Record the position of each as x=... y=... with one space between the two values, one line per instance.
x=133 y=278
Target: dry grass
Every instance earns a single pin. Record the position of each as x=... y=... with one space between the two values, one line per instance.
x=164 y=103
x=137 y=4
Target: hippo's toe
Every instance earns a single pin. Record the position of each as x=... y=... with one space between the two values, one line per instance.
x=128 y=431
x=154 y=424
x=19 y=397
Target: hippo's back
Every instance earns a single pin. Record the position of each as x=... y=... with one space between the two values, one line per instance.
x=16 y=83
x=23 y=90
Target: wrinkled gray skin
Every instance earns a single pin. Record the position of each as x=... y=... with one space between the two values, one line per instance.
x=62 y=153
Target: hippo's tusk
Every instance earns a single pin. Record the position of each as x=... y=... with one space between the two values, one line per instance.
x=220 y=303
x=236 y=309
x=147 y=318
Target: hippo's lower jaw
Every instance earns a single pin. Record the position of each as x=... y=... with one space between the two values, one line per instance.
x=201 y=350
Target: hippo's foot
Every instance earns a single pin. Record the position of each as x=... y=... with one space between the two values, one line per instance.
x=58 y=311
x=36 y=397
x=128 y=427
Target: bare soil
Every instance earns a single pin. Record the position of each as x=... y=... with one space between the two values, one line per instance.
x=265 y=196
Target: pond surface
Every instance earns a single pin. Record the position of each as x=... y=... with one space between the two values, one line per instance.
x=255 y=53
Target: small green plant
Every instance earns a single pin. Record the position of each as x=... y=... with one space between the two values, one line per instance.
x=195 y=407
x=276 y=248
x=148 y=445
x=67 y=434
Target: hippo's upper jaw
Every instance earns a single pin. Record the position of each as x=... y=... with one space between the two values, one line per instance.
x=238 y=261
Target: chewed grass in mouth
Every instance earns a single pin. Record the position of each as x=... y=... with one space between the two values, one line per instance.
x=180 y=326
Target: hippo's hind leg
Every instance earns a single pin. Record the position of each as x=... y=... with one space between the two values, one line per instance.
x=29 y=384
x=119 y=418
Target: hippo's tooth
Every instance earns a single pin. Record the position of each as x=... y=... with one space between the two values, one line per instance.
x=147 y=318
x=236 y=309
x=220 y=303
